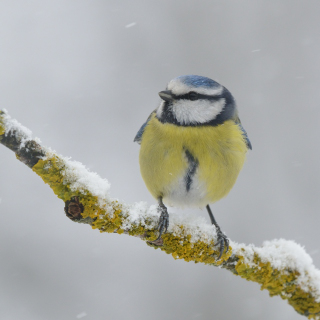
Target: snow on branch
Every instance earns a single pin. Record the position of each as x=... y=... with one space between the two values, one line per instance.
x=280 y=266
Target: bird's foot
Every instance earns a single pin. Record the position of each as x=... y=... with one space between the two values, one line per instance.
x=222 y=241
x=163 y=221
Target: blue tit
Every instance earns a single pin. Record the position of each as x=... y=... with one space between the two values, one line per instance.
x=193 y=147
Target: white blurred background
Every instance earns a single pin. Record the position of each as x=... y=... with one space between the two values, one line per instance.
x=84 y=76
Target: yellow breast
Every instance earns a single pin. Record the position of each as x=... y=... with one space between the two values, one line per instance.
x=219 y=154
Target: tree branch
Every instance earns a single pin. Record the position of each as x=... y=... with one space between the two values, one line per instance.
x=282 y=267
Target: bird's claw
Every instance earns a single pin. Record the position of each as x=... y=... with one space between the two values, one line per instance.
x=163 y=221
x=222 y=241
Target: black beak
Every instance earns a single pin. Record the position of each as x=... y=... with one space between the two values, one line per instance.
x=166 y=95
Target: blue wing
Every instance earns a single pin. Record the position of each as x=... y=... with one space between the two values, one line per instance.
x=139 y=134
x=244 y=132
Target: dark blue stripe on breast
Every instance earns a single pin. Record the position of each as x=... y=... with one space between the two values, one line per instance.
x=193 y=165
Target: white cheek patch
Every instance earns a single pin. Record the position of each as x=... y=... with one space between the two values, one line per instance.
x=160 y=109
x=200 y=111
x=179 y=88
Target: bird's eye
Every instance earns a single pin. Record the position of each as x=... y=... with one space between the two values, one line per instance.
x=193 y=96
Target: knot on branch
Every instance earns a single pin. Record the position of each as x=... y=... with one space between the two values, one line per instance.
x=73 y=209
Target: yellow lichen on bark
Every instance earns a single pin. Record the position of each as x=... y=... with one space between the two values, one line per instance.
x=51 y=171
x=279 y=282
x=2 y=126
x=181 y=247
x=107 y=217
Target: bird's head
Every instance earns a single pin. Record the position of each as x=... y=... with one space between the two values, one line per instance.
x=194 y=100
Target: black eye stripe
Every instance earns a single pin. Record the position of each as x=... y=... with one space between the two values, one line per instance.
x=193 y=96
x=199 y=97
